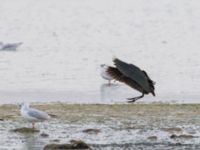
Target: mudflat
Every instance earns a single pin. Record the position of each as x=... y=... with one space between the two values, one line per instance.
x=106 y=126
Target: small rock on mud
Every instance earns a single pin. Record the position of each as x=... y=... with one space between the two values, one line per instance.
x=152 y=138
x=44 y=135
x=172 y=130
x=92 y=131
x=73 y=145
x=186 y=136
x=25 y=130
x=55 y=140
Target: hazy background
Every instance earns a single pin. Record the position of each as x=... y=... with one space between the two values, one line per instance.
x=65 y=41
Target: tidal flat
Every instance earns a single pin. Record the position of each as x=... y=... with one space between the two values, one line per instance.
x=103 y=126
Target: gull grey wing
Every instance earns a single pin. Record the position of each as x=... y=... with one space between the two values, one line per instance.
x=133 y=72
x=38 y=114
x=11 y=46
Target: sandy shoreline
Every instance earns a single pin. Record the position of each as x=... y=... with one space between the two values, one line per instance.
x=119 y=110
x=118 y=125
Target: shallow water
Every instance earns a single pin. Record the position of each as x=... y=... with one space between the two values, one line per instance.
x=64 y=42
x=120 y=126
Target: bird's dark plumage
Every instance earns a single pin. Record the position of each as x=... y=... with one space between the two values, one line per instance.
x=132 y=76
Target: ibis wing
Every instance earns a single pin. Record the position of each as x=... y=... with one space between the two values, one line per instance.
x=117 y=75
x=133 y=72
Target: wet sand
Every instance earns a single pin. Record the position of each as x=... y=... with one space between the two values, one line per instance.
x=157 y=126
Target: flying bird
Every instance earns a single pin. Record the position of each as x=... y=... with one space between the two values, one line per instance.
x=133 y=76
x=33 y=115
x=9 y=46
x=104 y=73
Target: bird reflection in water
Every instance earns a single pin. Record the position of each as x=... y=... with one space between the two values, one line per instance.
x=33 y=142
x=108 y=91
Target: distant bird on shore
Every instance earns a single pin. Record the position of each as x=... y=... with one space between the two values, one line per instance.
x=104 y=73
x=33 y=115
x=133 y=76
x=9 y=46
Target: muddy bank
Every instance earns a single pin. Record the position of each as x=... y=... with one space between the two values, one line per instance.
x=106 y=126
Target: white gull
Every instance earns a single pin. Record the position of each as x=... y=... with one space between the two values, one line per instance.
x=33 y=115
x=104 y=73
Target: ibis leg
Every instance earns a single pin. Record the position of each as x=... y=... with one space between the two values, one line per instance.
x=132 y=100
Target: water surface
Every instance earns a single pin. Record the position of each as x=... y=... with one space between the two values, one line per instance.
x=66 y=41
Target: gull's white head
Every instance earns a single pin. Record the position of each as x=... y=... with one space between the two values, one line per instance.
x=24 y=105
x=104 y=66
x=104 y=72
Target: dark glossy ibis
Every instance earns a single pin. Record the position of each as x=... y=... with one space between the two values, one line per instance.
x=133 y=76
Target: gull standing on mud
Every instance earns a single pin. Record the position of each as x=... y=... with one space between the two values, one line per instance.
x=104 y=73
x=32 y=115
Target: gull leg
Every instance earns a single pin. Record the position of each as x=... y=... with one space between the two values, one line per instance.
x=132 y=100
x=33 y=125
